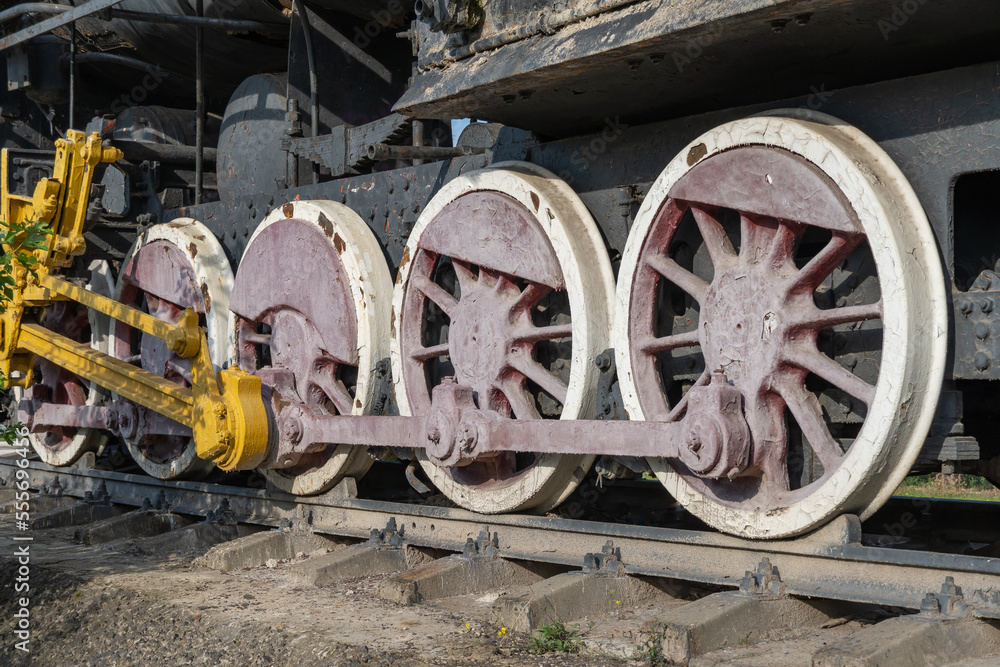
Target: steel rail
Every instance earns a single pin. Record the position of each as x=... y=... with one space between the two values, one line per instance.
x=831 y=563
x=50 y=24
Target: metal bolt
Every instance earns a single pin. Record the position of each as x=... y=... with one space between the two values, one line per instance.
x=965 y=306
x=982 y=331
x=982 y=361
x=603 y=362
x=986 y=306
x=293 y=430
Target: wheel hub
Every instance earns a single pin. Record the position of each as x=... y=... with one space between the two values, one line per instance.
x=741 y=328
x=481 y=337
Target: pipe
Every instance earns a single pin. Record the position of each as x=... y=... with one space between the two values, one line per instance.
x=418 y=139
x=199 y=96
x=313 y=78
x=137 y=151
x=31 y=8
x=220 y=24
x=72 y=75
x=379 y=152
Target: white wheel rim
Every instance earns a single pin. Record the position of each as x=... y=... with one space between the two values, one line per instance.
x=914 y=319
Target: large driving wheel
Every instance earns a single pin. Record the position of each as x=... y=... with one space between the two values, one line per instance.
x=312 y=299
x=789 y=252
x=505 y=284
x=171 y=267
x=63 y=445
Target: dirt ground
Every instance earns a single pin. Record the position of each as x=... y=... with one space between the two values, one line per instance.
x=110 y=606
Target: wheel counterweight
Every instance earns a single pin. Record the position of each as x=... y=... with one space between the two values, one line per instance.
x=312 y=299
x=789 y=252
x=505 y=285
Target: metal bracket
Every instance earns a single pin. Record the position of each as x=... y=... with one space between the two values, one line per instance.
x=161 y=504
x=483 y=547
x=54 y=489
x=389 y=537
x=346 y=148
x=765 y=581
x=102 y=497
x=224 y=516
x=607 y=563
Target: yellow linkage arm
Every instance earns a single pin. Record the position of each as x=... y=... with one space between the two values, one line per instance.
x=225 y=412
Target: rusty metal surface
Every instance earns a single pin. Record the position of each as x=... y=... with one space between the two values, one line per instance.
x=664 y=58
x=831 y=563
x=48 y=25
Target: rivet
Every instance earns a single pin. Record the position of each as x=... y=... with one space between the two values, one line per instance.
x=982 y=331
x=982 y=361
x=986 y=306
x=965 y=306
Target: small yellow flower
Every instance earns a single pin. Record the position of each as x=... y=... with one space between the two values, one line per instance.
x=466 y=625
x=501 y=632
x=618 y=601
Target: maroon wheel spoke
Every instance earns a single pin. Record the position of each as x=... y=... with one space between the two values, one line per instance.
x=808 y=414
x=439 y=295
x=822 y=265
x=541 y=376
x=679 y=276
x=179 y=368
x=719 y=247
x=665 y=343
x=766 y=419
x=816 y=319
x=818 y=363
x=490 y=277
x=335 y=390
x=782 y=249
x=759 y=237
x=467 y=278
x=530 y=297
x=432 y=352
x=537 y=334
x=681 y=406
x=521 y=402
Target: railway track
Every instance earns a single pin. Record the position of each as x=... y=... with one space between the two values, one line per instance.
x=760 y=584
